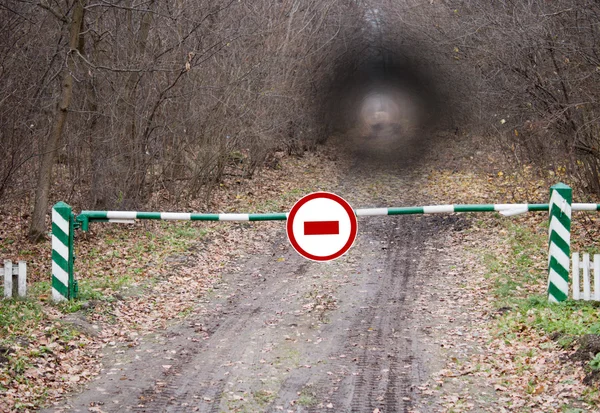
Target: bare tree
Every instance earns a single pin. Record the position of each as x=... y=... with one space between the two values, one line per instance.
x=38 y=220
x=116 y=100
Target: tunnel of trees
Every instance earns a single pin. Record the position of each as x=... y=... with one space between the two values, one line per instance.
x=120 y=99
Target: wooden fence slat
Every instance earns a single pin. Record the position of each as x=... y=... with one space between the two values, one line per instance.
x=15 y=278
x=596 y=277
x=8 y=270
x=586 y=276
x=22 y=279
x=576 y=289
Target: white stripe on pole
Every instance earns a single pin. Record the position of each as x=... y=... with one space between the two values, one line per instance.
x=584 y=207
x=56 y=296
x=175 y=216
x=59 y=273
x=559 y=228
x=121 y=214
x=61 y=248
x=561 y=257
x=122 y=221
x=62 y=223
x=501 y=207
x=509 y=212
x=561 y=202
x=234 y=217
x=371 y=212
x=438 y=209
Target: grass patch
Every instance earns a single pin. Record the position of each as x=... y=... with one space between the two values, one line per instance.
x=517 y=277
x=117 y=257
x=307 y=397
x=29 y=342
x=263 y=397
x=566 y=321
x=17 y=316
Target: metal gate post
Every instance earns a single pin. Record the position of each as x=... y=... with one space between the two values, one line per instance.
x=64 y=286
x=559 y=243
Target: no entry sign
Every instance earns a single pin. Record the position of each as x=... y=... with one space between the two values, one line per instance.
x=322 y=226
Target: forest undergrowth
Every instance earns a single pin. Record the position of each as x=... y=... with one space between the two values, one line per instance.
x=134 y=280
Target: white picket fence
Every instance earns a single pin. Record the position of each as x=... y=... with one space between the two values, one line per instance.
x=12 y=273
x=586 y=268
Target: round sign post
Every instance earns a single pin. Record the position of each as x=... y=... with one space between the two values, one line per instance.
x=322 y=226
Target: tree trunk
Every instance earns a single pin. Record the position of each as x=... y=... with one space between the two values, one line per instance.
x=38 y=219
x=134 y=151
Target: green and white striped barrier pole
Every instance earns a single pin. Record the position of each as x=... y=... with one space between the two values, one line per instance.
x=559 y=243
x=64 y=286
x=131 y=216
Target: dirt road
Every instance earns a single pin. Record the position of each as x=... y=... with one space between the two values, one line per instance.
x=281 y=333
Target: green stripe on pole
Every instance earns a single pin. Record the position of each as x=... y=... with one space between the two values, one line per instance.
x=60 y=288
x=269 y=217
x=205 y=217
x=59 y=260
x=58 y=233
x=474 y=208
x=556 y=293
x=559 y=242
x=94 y=214
x=148 y=215
x=537 y=207
x=405 y=210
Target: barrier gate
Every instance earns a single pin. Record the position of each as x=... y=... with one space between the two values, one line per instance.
x=560 y=207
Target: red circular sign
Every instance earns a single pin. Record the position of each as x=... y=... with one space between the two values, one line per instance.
x=321 y=226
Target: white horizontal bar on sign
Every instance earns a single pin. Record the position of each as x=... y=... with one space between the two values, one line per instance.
x=176 y=216
x=234 y=217
x=367 y=212
x=438 y=209
x=121 y=214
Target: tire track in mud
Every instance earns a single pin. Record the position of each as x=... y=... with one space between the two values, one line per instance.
x=375 y=389
x=199 y=383
x=381 y=358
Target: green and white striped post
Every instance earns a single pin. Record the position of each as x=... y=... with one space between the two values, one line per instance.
x=63 y=284
x=559 y=244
